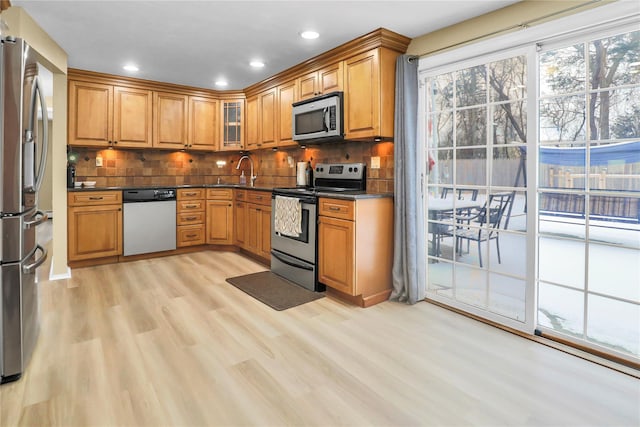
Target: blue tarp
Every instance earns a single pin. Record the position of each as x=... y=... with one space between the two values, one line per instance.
x=601 y=155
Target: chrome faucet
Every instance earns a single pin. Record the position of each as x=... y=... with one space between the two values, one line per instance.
x=253 y=177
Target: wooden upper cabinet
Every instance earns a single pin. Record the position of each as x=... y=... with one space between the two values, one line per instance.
x=170 y=120
x=267 y=108
x=132 y=117
x=203 y=122
x=252 y=122
x=369 y=89
x=232 y=135
x=287 y=95
x=90 y=114
x=325 y=80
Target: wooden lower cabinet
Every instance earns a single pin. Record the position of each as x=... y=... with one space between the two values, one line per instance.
x=190 y=217
x=257 y=224
x=355 y=248
x=219 y=216
x=94 y=225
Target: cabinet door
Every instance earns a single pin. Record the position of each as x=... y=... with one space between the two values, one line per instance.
x=90 y=114
x=252 y=123
x=267 y=107
x=232 y=137
x=265 y=233
x=203 y=121
x=94 y=232
x=362 y=96
x=330 y=79
x=286 y=97
x=170 y=120
x=240 y=223
x=336 y=254
x=251 y=235
x=308 y=85
x=219 y=222
x=132 y=117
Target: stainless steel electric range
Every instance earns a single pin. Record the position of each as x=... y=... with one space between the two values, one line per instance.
x=295 y=257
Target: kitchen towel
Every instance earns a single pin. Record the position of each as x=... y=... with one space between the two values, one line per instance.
x=287 y=219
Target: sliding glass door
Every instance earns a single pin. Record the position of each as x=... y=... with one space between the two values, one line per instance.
x=475 y=127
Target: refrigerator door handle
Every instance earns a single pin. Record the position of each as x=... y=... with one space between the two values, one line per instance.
x=33 y=179
x=28 y=269
x=43 y=218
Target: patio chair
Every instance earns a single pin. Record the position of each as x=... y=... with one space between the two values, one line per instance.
x=487 y=222
x=462 y=193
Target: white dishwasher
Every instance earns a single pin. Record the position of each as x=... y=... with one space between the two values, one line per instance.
x=148 y=220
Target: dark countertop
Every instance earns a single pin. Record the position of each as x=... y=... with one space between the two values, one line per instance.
x=347 y=195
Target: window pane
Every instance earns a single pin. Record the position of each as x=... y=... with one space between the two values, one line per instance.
x=509 y=123
x=471 y=127
x=563 y=119
x=561 y=261
x=562 y=215
x=508 y=79
x=615 y=114
x=613 y=61
x=441 y=278
x=507 y=296
x=618 y=230
x=471 y=88
x=442 y=169
x=614 y=324
x=615 y=166
x=471 y=286
x=509 y=167
x=561 y=309
x=614 y=271
x=513 y=254
x=471 y=166
x=440 y=96
x=562 y=70
x=562 y=166
x=440 y=130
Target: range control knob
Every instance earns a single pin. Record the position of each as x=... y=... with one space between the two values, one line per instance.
x=355 y=169
x=350 y=169
x=317 y=169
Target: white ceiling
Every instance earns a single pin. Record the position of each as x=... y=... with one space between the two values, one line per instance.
x=197 y=42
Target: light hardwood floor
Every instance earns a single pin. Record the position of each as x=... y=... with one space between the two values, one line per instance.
x=168 y=342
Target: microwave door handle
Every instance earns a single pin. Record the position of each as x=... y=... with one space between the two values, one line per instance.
x=325 y=119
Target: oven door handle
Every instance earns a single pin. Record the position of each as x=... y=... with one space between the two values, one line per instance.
x=292 y=264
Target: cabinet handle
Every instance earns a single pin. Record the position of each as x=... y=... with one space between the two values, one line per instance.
x=258 y=197
x=334 y=208
x=190 y=206
x=191 y=218
x=258 y=210
x=191 y=235
x=190 y=194
x=230 y=205
x=96 y=198
x=115 y=142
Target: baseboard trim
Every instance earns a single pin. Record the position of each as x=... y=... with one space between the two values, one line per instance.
x=54 y=277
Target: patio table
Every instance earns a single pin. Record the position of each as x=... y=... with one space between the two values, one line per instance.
x=440 y=208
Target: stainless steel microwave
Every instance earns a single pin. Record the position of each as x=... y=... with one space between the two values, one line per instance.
x=319 y=119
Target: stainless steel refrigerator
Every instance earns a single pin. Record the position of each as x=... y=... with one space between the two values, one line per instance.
x=22 y=163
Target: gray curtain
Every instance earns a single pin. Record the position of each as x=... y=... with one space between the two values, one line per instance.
x=409 y=259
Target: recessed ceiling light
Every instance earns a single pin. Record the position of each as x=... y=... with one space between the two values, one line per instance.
x=221 y=83
x=256 y=64
x=309 y=35
x=130 y=67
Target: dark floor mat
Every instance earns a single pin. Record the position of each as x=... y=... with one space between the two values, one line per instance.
x=273 y=290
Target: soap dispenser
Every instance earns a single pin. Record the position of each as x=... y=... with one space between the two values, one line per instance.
x=243 y=179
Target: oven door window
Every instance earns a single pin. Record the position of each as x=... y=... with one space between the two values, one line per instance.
x=304 y=236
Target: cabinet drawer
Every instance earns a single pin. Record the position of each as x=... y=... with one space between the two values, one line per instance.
x=190 y=235
x=259 y=197
x=241 y=195
x=94 y=198
x=336 y=208
x=190 y=205
x=191 y=193
x=188 y=218
x=219 y=194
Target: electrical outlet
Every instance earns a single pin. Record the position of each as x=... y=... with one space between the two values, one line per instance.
x=375 y=162
x=290 y=161
x=98 y=161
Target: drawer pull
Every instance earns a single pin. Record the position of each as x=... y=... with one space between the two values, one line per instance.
x=192 y=235
x=96 y=198
x=190 y=194
x=191 y=218
x=190 y=206
x=258 y=197
x=334 y=208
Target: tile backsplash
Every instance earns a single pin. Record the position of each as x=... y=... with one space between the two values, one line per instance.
x=124 y=168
